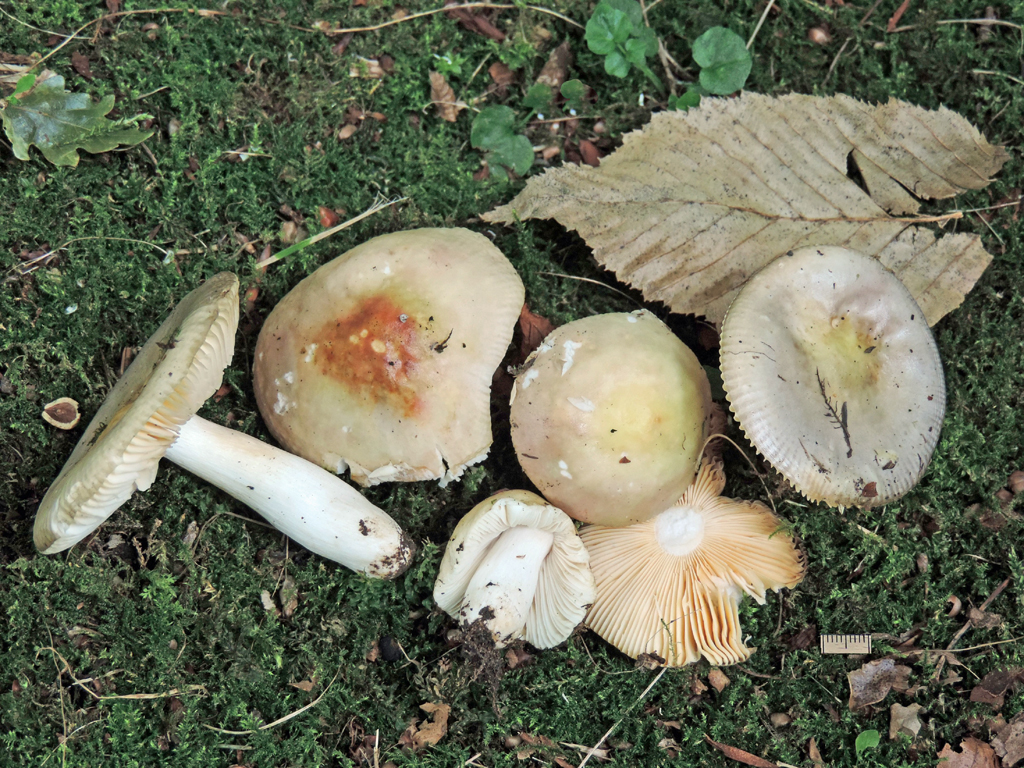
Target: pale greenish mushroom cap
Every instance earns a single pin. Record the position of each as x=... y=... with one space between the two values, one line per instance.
x=834 y=376
x=171 y=377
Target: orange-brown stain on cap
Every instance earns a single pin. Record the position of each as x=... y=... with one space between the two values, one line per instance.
x=372 y=352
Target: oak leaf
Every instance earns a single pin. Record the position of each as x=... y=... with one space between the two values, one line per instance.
x=696 y=202
x=443 y=98
x=431 y=733
x=1008 y=740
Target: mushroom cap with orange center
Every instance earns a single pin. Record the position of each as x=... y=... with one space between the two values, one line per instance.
x=671 y=586
x=834 y=376
x=609 y=417
x=381 y=360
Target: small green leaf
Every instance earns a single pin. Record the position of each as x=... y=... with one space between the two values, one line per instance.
x=616 y=65
x=607 y=28
x=724 y=60
x=517 y=154
x=631 y=8
x=25 y=82
x=649 y=39
x=492 y=127
x=574 y=92
x=636 y=52
x=538 y=97
x=684 y=102
x=60 y=123
x=867 y=740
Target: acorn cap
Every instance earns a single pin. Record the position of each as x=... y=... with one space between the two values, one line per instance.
x=479 y=581
x=671 y=585
x=833 y=374
x=171 y=377
x=382 y=359
x=609 y=417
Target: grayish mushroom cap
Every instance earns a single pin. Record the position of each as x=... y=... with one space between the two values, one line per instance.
x=170 y=378
x=564 y=584
x=834 y=376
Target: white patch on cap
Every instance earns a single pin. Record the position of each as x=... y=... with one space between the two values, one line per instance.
x=631 y=318
x=283 y=404
x=387 y=268
x=564 y=470
x=346 y=430
x=544 y=347
x=570 y=348
x=289 y=377
x=309 y=354
x=529 y=376
x=582 y=403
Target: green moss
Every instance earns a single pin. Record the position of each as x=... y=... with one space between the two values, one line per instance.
x=146 y=609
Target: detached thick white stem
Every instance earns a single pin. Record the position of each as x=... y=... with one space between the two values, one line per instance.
x=314 y=507
x=502 y=588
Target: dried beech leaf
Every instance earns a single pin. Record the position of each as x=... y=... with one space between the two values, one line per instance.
x=1008 y=741
x=873 y=681
x=973 y=754
x=431 y=733
x=904 y=720
x=718 y=680
x=443 y=98
x=698 y=201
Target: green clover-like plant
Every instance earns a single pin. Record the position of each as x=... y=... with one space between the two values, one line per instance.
x=724 y=61
x=60 y=123
x=617 y=31
x=494 y=131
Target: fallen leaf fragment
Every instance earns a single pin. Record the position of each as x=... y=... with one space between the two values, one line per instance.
x=443 y=98
x=984 y=619
x=973 y=754
x=737 y=754
x=305 y=685
x=431 y=733
x=80 y=63
x=904 y=720
x=534 y=329
x=873 y=681
x=814 y=753
x=555 y=70
x=501 y=74
x=696 y=202
x=993 y=686
x=718 y=680
x=1008 y=741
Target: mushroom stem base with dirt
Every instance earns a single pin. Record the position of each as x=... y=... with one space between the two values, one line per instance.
x=502 y=588
x=305 y=502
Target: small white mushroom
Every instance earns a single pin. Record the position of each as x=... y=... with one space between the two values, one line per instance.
x=516 y=563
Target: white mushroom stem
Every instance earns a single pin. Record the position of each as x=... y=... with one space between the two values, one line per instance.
x=503 y=585
x=309 y=504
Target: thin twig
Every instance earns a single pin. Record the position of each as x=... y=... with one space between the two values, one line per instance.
x=421 y=14
x=192 y=689
x=998 y=74
x=835 y=61
x=608 y=733
x=963 y=630
x=26 y=24
x=380 y=205
x=760 y=23
x=595 y=282
x=32 y=264
x=870 y=13
x=982 y=22
x=280 y=720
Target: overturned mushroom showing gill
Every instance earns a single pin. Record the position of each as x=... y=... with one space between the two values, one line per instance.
x=516 y=563
x=672 y=585
x=150 y=413
x=833 y=374
x=380 y=362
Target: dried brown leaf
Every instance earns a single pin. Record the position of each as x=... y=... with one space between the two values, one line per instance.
x=993 y=686
x=814 y=753
x=873 y=681
x=501 y=74
x=718 y=680
x=973 y=754
x=556 y=68
x=737 y=754
x=534 y=329
x=305 y=685
x=904 y=720
x=80 y=63
x=984 y=619
x=1008 y=741
x=698 y=201
x=431 y=733
x=443 y=98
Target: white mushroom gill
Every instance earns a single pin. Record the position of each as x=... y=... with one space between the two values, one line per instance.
x=317 y=509
x=502 y=588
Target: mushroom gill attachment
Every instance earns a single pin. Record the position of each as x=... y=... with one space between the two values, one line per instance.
x=172 y=375
x=516 y=563
x=834 y=376
x=609 y=417
x=672 y=585
x=381 y=360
